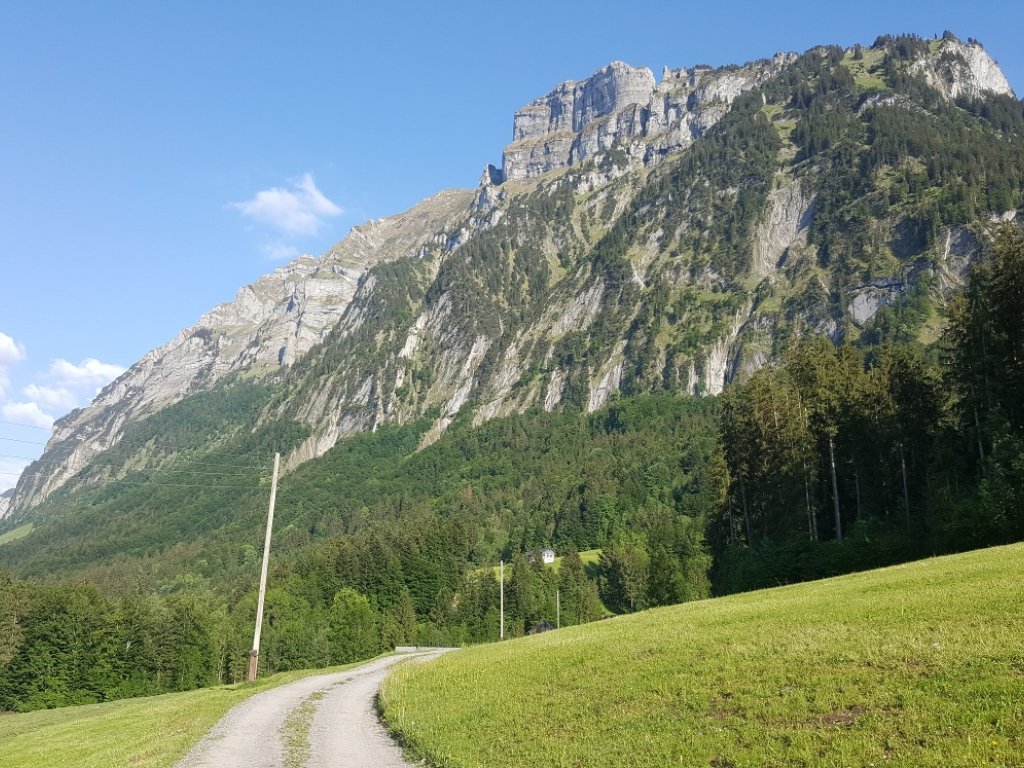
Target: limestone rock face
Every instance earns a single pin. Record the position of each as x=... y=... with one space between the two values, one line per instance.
x=786 y=221
x=5 y=502
x=622 y=106
x=963 y=70
x=572 y=106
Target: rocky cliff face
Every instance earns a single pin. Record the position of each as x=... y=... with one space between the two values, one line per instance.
x=577 y=120
x=639 y=236
x=5 y=502
x=962 y=70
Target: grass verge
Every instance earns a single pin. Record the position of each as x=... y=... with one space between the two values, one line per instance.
x=296 y=731
x=915 y=665
x=152 y=732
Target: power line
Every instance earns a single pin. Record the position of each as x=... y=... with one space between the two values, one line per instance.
x=27 y=442
x=78 y=473
x=129 y=444
x=150 y=483
x=153 y=469
x=193 y=472
x=27 y=426
x=301 y=484
x=12 y=456
x=56 y=462
x=178 y=485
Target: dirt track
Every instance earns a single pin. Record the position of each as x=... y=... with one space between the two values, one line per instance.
x=344 y=731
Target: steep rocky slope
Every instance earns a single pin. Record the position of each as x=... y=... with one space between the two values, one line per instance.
x=269 y=325
x=640 y=235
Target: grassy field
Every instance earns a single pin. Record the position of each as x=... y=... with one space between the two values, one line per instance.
x=16 y=533
x=153 y=732
x=915 y=665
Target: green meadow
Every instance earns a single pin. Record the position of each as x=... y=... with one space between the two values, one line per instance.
x=914 y=665
x=153 y=732
x=16 y=533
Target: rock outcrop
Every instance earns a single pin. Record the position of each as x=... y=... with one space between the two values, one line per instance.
x=962 y=70
x=623 y=106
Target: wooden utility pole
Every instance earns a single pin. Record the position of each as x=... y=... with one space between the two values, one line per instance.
x=835 y=487
x=254 y=654
x=558 y=609
x=501 y=570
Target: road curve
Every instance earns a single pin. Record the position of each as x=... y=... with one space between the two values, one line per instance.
x=344 y=731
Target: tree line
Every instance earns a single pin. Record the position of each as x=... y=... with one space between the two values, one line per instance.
x=883 y=453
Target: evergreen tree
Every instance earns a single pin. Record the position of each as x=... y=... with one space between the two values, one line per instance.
x=353 y=628
x=10 y=630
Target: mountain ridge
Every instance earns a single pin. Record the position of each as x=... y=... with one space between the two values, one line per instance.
x=531 y=290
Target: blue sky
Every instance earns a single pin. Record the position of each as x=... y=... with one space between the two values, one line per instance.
x=157 y=156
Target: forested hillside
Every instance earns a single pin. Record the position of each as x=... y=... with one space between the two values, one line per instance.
x=840 y=247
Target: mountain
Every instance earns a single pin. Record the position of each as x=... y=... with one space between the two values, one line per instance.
x=640 y=236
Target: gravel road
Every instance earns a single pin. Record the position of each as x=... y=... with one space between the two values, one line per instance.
x=344 y=731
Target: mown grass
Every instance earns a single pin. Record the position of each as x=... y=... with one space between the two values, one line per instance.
x=16 y=533
x=153 y=732
x=915 y=665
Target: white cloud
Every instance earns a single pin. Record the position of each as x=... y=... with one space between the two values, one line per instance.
x=27 y=413
x=87 y=375
x=298 y=210
x=59 y=399
x=69 y=387
x=11 y=352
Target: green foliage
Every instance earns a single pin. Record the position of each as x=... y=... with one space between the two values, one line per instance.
x=625 y=566
x=578 y=596
x=985 y=350
x=77 y=647
x=353 y=627
x=176 y=478
x=825 y=444
x=10 y=629
x=904 y=456
x=986 y=333
x=901 y=323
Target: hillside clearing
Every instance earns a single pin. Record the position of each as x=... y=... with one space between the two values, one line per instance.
x=16 y=533
x=919 y=664
x=590 y=558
